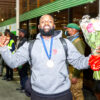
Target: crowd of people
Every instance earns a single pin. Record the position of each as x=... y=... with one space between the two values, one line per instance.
x=50 y=78
x=23 y=69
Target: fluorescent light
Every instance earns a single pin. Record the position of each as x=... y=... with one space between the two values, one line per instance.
x=2 y=19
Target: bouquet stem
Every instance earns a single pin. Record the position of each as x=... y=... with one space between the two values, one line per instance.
x=96 y=75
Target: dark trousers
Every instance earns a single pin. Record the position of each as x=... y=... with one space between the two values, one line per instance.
x=23 y=73
x=9 y=72
x=66 y=95
x=23 y=81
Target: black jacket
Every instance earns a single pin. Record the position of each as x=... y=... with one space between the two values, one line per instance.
x=22 y=41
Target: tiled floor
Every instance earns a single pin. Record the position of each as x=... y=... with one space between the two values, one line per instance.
x=8 y=90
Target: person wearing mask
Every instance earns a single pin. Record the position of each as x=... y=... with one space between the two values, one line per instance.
x=11 y=47
x=23 y=69
x=72 y=33
x=49 y=74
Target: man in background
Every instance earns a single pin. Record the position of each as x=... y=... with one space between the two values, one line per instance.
x=49 y=74
x=72 y=33
x=23 y=69
x=1 y=62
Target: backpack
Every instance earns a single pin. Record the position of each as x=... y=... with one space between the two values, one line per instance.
x=28 y=87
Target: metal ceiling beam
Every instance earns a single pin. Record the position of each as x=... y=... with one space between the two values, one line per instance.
x=6 y=5
x=6 y=8
x=7 y=1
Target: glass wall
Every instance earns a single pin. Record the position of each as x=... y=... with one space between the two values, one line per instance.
x=24 y=25
x=33 y=28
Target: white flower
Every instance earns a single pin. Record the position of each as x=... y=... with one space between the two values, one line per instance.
x=96 y=25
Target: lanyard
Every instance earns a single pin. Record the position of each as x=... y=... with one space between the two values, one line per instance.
x=74 y=38
x=51 y=44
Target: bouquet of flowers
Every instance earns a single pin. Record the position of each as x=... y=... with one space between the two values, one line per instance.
x=91 y=31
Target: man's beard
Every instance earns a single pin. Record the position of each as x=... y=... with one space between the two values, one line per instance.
x=49 y=33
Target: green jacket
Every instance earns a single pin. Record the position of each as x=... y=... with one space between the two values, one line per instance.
x=80 y=46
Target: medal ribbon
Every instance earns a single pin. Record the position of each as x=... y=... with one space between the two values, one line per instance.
x=51 y=44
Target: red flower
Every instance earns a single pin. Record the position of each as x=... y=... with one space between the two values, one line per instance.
x=94 y=62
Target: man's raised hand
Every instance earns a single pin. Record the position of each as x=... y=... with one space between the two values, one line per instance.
x=4 y=40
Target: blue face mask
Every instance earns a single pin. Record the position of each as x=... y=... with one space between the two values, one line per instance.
x=66 y=33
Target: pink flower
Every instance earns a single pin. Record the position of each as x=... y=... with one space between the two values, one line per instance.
x=90 y=28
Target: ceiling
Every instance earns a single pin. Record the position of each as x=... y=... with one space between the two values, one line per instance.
x=7 y=9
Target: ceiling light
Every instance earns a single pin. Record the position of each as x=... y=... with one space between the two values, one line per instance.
x=85 y=7
x=63 y=24
x=58 y=11
x=32 y=23
x=2 y=19
x=92 y=1
x=24 y=24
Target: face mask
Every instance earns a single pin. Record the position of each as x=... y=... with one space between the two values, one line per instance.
x=66 y=33
x=49 y=33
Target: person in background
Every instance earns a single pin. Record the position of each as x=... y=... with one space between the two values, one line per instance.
x=11 y=46
x=23 y=69
x=1 y=62
x=72 y=33
x=1 y=65
x=49 y=74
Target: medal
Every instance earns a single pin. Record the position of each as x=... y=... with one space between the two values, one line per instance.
x=50 y=63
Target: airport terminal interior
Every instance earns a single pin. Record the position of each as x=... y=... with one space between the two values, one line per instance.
x=72 y=13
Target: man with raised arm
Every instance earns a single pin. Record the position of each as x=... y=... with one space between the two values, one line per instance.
x=49 y=78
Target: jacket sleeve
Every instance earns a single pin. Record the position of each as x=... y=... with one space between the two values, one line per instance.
x=75 y=58
x=18 y=58
x=80 y=46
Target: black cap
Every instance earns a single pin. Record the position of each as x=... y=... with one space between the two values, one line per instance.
x=23 y=31
x=7 y=30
